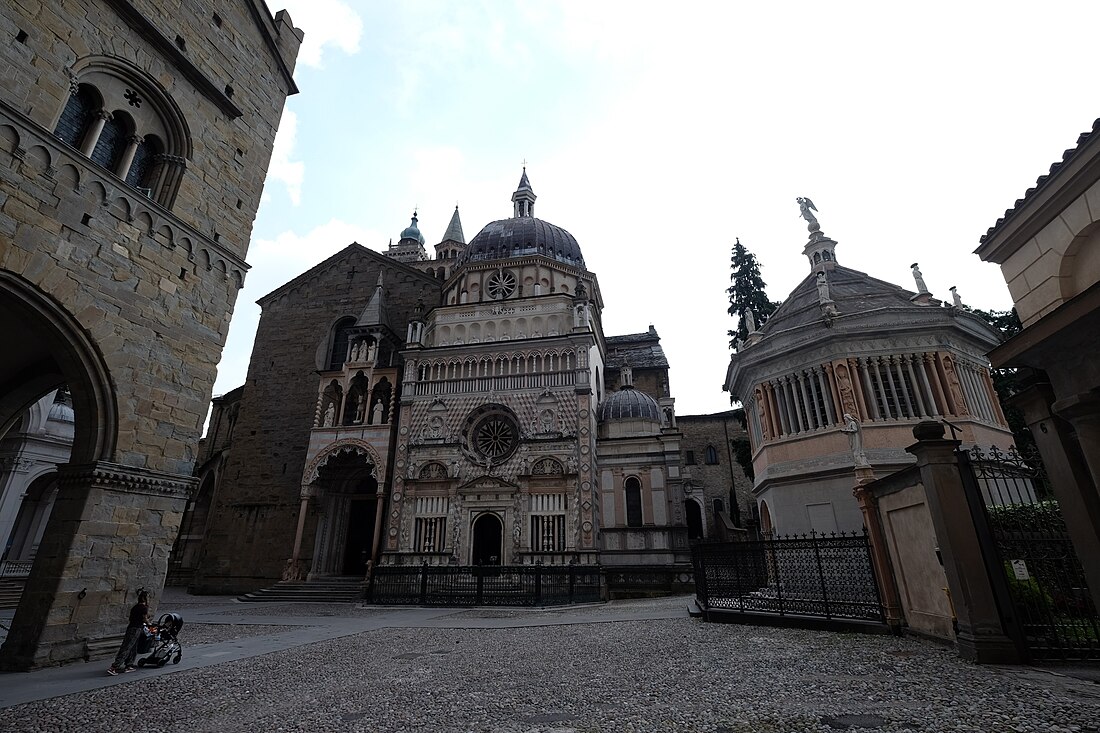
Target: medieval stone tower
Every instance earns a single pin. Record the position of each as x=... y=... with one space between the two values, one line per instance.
x=134 y=140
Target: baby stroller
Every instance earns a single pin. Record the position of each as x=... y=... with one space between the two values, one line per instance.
x=163 y=641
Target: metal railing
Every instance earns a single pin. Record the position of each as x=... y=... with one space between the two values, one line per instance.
x=15 y=568
x=815 y=575
x=486 y=585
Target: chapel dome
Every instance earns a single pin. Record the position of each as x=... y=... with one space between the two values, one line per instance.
x=629 y=404
x=412 y=231
x=524 y=235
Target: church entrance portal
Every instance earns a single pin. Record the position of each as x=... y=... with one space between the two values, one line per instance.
x=360 y=538
x=345 y=533
x=488 y=540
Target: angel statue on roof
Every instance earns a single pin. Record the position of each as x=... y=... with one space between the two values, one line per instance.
x=805 y=206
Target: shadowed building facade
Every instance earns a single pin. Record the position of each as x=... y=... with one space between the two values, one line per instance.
x=465 y=409
x=134 y=139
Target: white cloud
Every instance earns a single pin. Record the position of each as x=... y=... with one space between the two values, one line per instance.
x=289 y=172
x=326 y=23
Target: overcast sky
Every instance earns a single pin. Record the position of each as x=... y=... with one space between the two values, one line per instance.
x=656 y=133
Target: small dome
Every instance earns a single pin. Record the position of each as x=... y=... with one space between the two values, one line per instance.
x=412 y=231
x=629 y=404
x=61 y=412
x=523 y=235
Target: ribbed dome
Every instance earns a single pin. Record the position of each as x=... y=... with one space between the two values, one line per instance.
x=62 y=412
x=521 y=236
x=629 y=404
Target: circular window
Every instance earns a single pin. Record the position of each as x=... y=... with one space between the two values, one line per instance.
x=502 y=284
x=492 y=435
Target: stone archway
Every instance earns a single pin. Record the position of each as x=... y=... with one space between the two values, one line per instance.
x=487 y=546
x=47 y=348
x=694 y=520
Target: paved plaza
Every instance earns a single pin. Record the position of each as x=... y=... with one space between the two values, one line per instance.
x=625 y=666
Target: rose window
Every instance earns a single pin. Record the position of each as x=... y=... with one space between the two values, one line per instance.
x=502 y=284
x=492 y=435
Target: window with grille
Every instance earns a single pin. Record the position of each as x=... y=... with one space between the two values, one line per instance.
x=430 y=534
x=548 y=533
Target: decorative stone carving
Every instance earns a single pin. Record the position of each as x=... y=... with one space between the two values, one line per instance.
x=919 y=278
x=805 y=207
x=330 y=415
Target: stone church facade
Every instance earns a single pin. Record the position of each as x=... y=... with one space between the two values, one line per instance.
x=463 y=410
x=119 y=268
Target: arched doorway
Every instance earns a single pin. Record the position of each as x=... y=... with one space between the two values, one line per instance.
x=30 y=524
x=488 y=535
x=349 y=503
x=766 y=527
x=694 y=520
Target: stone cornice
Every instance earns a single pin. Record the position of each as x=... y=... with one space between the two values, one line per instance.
x=126 y=479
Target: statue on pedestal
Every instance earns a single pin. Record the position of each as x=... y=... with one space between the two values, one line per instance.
x=855 y=439
x=330 y=415
x=805 y=207
x=919 y=278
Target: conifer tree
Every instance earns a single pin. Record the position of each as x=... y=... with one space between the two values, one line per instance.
x=747 y=292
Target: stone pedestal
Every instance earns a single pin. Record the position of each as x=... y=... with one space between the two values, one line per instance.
x=110 y=533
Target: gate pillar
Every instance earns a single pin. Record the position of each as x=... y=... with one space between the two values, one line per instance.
x=1076 y=491
x=981 y=635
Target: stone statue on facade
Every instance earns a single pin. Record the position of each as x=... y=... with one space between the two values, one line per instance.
x=855 y=439
x=750 y=320
x=360 y=408
x=805 y=208
x=823 y=288
x=919 y=278
x=376 y=413
x=372 y=352
x=955 y=299
x=330 y=415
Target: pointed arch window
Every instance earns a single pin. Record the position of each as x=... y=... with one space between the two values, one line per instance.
x=711 y=456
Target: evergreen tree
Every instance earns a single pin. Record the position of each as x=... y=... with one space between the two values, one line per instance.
x=1008 y=382
x=747 y=292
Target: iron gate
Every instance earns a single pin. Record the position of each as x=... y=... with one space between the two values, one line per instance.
x=1031 y=560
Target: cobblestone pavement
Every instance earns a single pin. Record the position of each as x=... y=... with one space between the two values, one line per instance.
x=671 y=674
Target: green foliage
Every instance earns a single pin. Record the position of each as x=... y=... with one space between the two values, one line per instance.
x=1027 y=593
x=747 y=292
x=742 y=453
x=1026 y=516
x=1008 y=382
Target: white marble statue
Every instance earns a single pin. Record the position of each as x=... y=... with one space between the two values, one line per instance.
x=921 y=287
x=805 y=207
x=376 y=413
x=330 y=415
x=823 y=288
x=955 y=299
x=855 y=439
x=750 y=320
x=372 y=352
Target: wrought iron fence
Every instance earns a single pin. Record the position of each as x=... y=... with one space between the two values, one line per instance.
x=511 y=585
x=1052 y=612
x=815 y=575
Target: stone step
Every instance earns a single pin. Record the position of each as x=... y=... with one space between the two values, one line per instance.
x=10 y=592
x=319 y=591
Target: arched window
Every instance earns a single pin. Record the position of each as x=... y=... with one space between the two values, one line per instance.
x=77 y=115
x=711 y=455
x=633 y=490
x=124 y=120
x=112 y=140
x=142 y=167
x=341 y=335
